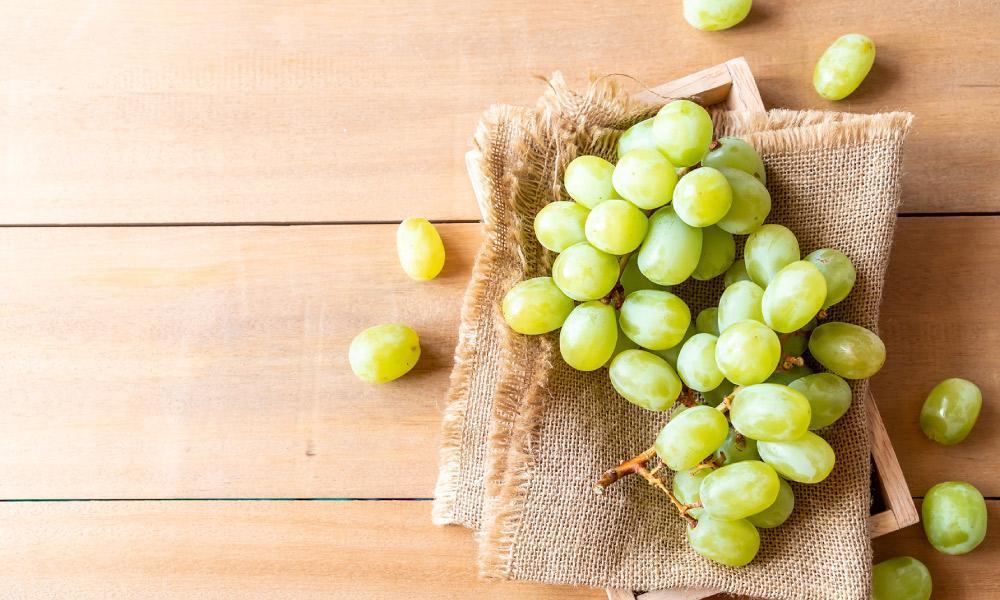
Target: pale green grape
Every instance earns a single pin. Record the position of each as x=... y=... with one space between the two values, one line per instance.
x=683 y=131
x=747 y=352
x=808 y=459
x=633 y=280
x=638 y=136
x=672 y=248
x=616 y=227
x=848 y=350
x=560 y=224
x=768 y=412
x=736 y=154
x=655 y=319
x=768 y=250
x=954 y=516
x=384 y=352
x=645 y=178
x=421 y=253
x=732 y=543
x=795 y=343
x=690 y=436
x=588 y=180
x=716 y=396
x=901 y=578
x=751 y=203
x=696 y=363
x=645 y=379
x=739 y=490
x=837 y=270
x=588 y=336
x=718 y=251
x=623 y=344
x=737 y=448
x=787 y=376
x=740 y=302
x=536 y=306
x=702 y=197
x=950 y=410
x=779 y=511
x=829 y=397
x=714 y=15
x=735 y=273
x=584 y=273
x=843 y=66
x=793 y=297
x=687 y=488
x=670 y=354
x=708 y=321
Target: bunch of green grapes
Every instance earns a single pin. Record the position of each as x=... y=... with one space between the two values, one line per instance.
x=671 y=209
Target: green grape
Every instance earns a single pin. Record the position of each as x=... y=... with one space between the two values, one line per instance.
x=645 y=178
x=672 y=248
x=739 y=490
x=708 y=321
x=808 y=459
x=384 y=352
x=950 y=410
x=718 y=251
x=843 y=66
x=735 y=273
x=837 y=270
x=588 y=180
x=655 y=319
x=714 y=15
x=645 y=380
x=901 y=578
x=702 y=197
x=687 y=486
x=732 y=543
x=560 y=224
x=716 y=396
x=584 y=273
x=734 y=153
x=536 y=306
x=768 y=412
x=740 y=302
x=779 y=511
x=793 y=297
x=751 y=203
x=636 y=137
x=747 y=352
x=616 y=227
x=848 y=350
x=683 y=131
x=690 y=436
x=954 y=515
x=670 y=354
x=787 y=376
x=794 y=343
x=589 y=336
x=623 y=344
x=768 y=250
x=696 y=363
x=736 y=448
x=421 y=253
x=633 y=280
x=829 y=397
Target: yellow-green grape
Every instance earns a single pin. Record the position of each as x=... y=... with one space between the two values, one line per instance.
x=636 y=137
x=384 y=352
x=751 y=203
x=670 y=354
x=616 y=227
x=740 y=302
x=768 y=250
x=739 y=490
x=702 y=197
x=954 y=515
x=747 y=352
x=950 y=410
x=623 y=344
x=716 y=396
x=655 y=319
x=713 y=15
x=843 y=66
x=584 y=273
x=536 y=306
x=672 y=248
x=829 y=397
x=683 y=131
x=793 y=297
x=645 y=178
x=787 y=376
x=736 y=448
x=838 y=270
x=707 y=321
x=687 y=486
x=588 y=336
x=769 y=412
x=420 y=250
x=735 y=273
x=718 y=251
x=588 y=180
x=696 y=363
x=633 y=280
x=901 y=578
x=779 y=511
x=736 y=153
x=731 y=543
x=808 y=459
x=645 y=380
x=690 y=436
x=848 y=350
x=560 y=224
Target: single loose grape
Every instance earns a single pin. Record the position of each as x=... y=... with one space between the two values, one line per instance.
x=636 y=137
x=655 y=319
x=751 y=203
x=901 y=578
x=645 y=380
x=716 y=396
x=384 y=352
x=714 y=15
x=702 y=197
x=696 y=363
x=616 y=227
x=672 y=248
x=843 y=66
x=718 y=251
x=708 y=321
x=560 y=224
x=747 y=352
x=739 y=490
x=787 y=376
x=736 y=448
x=421 y=253
x=950 y=410
x=808 y=459
x=848 y=350
x=838 y=270
x=768 y=250
x=691 y=436
x=736 y=154
x=633 y=280
x=769 y=412
x=585 y=273
x=735 y=273
x=536 y=306
x=588 y=336
x=779 y=511
x=683 y=131
x=740 y=302
x=645 y=178
x=793 y=296
x=954 y=516
x=731 y=543
x=670 y=354
x=829 y=397
x=687 y=486
x=588 y=180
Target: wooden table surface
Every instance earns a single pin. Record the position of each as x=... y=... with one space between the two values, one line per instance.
x=198 y=203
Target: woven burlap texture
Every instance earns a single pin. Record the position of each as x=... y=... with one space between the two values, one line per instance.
x=525 y=436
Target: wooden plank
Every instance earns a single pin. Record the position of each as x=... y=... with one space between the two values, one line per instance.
x=251 y=550
x=233 y=111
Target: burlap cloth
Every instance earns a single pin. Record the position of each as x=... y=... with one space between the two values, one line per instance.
x=525 y=436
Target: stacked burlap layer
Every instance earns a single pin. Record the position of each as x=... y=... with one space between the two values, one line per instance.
x=526 y=436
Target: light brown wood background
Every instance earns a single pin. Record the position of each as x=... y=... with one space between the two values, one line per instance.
x=179 y=349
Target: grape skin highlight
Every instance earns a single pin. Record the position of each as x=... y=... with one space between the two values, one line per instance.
x=536 y=306
x=420 y=250
x=954 y=517
x=588 y=336
x=561 y=224
x=683 y=132
x=588 y=180
x=585 y=273
x=384 y=352
x=843 y=66
x=951 y=410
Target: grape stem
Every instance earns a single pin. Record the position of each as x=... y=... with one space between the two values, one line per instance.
x=639 y=466
x=727 y=402
x=822 y=314
x=712 y=463
x=688 y=397
x=791 y=361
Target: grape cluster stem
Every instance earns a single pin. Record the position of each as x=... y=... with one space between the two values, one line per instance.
x=639 y=465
